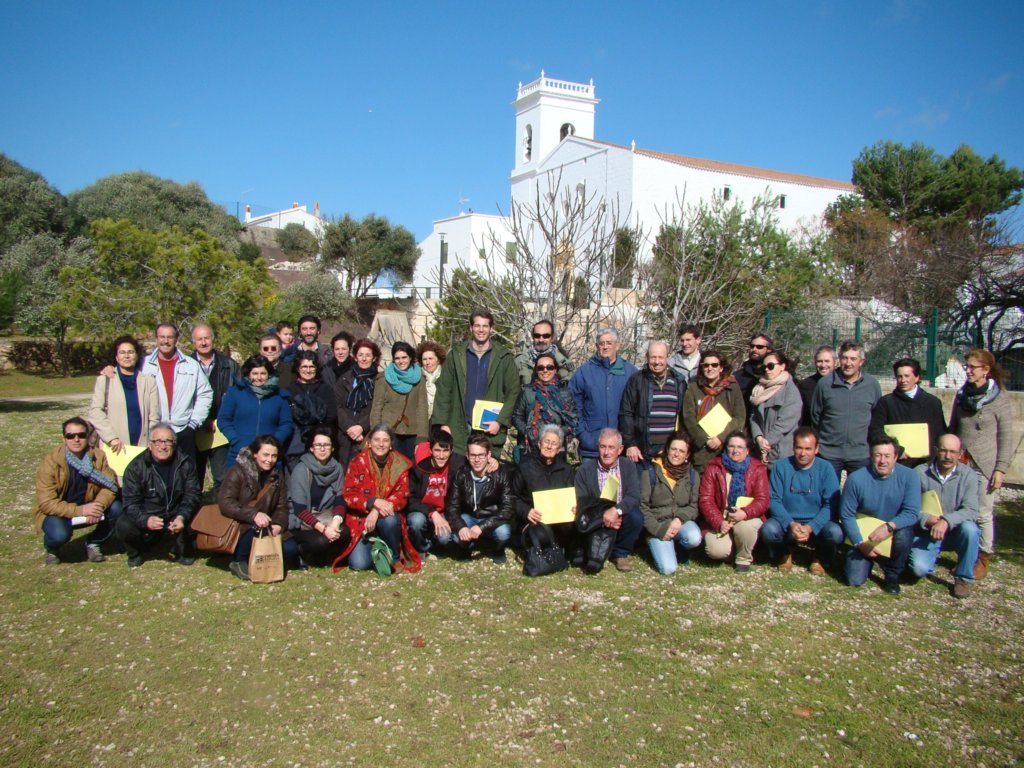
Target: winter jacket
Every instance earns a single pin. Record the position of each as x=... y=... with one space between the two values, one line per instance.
x=52 y=483
x=841 y=412
x=635 y=408
x=535 y=474
x=144 y=494
x=687 y=369
x=899 y=408
x=661 y=503
x=714 y=493
x=108 y=411
x=240 y=487
x=425 y=478
x=244 y=417
x=806 y=387
x=776 y=419
x=222 y=375
x=598 y=395
x=405 y=414
x=525 y=365
x=192 y=396
x=522 y=415
x=731 y=399
x=312 y=404
x=346 y=417
x=503 y=386
x=490 y=501
x=587 y=488
x=987 y=435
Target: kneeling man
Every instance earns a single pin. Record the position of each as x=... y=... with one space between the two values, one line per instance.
x=161 y=494
x=480 y=503
x=957 y=527
x=890 y=492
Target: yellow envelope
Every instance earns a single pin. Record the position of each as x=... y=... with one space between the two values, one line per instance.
x=555 y=506
x=912 y=437
x=206 y=441
x=610 y=492
x=744 y=501
x=930 y=504
x=485 y=410
x=119 y=461
x=715 y=421
x=866 y=524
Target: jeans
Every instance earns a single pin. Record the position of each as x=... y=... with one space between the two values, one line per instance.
x=499 y=536
x=850 y=465
x=986 y=515
x=779 y=541
x=964 y=539
x=629 y=532
x=421 y=533
x=858 y=567
x=390 y=530
x=289 y=547
x=664 y=552
x=57 y=531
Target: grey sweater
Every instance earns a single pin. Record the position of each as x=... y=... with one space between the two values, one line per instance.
x=841 y=412
x=958 y=495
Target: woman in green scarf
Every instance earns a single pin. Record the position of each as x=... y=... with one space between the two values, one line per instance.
x=400 y=400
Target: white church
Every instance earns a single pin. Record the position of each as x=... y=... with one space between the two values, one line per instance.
x=554 y=139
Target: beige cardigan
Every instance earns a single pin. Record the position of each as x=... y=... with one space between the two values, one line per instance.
x=113 y=422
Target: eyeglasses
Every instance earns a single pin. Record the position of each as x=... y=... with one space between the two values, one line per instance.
x=710 y=365
x=969 y=367
x=772 y=366
x=542 y=335
x=321 y=446
x=478 y=456
x=544 y=368
x=75 y=435
x=161 y=442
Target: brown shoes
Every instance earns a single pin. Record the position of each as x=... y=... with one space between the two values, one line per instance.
x=981 y=567
x=785 y=565
x=817 y=569
x=622 y=564
x=961 y=589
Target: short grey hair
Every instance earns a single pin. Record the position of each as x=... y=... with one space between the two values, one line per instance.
x=610 y=432
x=163 y=425
x=825 y=348
x=548 y=429
x=655 y=343
x=606 y=332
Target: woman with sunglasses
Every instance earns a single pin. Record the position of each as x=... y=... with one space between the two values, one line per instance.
x=714 y=385
x=546 y=400
x=775 y=408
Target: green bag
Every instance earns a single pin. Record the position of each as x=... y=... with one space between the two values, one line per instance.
x=380 y=554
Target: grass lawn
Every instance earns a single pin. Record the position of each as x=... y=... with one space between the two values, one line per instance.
x=20 y=384
x=469 y=664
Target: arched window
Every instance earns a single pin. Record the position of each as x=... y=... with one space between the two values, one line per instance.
x=568 y=129
x=528 y=144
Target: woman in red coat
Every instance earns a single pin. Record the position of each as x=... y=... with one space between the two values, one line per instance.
x=376 y=491
x=733 y=503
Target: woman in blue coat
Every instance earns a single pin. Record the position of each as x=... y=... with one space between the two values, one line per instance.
x=254 y=406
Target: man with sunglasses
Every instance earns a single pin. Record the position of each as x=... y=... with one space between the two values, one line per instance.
x=271 y=348
x=543 y=334
x=75 y=486
x=804 y=506
x=748 y=374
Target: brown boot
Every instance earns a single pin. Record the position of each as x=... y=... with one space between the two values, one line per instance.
x=785 y=565
x=981 y=567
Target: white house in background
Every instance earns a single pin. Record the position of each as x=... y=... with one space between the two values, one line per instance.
x=465 y=241
x=297 y=214
x=554 y=138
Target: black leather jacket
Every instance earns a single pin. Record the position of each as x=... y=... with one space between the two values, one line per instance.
x=222 y=376
x=489 y=500
x=535 y=475
x=144 y=493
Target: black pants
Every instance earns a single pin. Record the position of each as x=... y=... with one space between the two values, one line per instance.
x=138 y=540
x=315 y=549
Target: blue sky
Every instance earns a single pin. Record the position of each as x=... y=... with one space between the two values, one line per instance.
x=402 y=108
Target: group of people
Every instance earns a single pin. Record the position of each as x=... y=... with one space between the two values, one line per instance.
x=332 y=452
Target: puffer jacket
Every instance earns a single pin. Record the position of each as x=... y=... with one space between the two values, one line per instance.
x=714 y=493
x=240 y=487
x=144 y=494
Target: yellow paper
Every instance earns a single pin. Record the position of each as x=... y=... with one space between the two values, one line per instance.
x=913 y=438
x=715 y=421
x=119 y=461
x=610 y=492
x=485 y=410
x=867 y=524
x=744 y=501
x=555 y=506
x=206 y=441
x=930 y=504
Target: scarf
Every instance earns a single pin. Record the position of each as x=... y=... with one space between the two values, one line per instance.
x=738 y=484
x=972 y=399
x=551 y=350
x=430 y=380
x=264 y=390
x=339 y=369
x=551 y=407
x=403 y=381
x=711 y=392
x=328 y=476
x=361 y=395
x=766 y=388
x=380 y=471
x=84 y=467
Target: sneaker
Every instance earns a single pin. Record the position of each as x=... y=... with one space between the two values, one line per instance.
x=816 y=568
x=239 y=569
x=135 y=562
x=961 y=589
x=95 y=555
x=891 y=586
x=785 y=565
x=742 y=567
x=51 y=559
x=622 y=564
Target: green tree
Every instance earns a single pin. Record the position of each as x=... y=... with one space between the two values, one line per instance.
x=28 y=205
x=466 y=291
x=141 y=277
x=362 y=252
x=627 y=245
x=38 y=263
x=297 y=242
x=156 y=204
x=322 y=295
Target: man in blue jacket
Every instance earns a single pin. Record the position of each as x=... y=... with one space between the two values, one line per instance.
x=597 y=387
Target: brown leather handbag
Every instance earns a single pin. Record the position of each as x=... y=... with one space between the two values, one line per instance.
x=216 y=533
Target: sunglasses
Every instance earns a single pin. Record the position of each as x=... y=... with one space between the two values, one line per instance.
x=544 y=368
x=710 y=365
x=268 y=349
x=772 y=366
x=542 y=335
x=75 y=435
x=759 y=346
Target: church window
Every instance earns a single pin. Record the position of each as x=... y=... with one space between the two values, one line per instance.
x=727 y=193
x=782 y=201
x=568 y=129
x=528 y=144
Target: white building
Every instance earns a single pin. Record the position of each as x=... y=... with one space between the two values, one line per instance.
x=297 y=214
x=554 y=140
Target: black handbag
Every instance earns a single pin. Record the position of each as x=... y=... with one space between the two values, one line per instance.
x=543 y=554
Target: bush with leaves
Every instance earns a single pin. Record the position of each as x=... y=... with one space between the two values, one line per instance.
x=320 y=294
x=297 y=242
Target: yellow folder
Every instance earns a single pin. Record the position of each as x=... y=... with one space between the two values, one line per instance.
x=119 y=461
x=744 y=501
x=206 y=441
x=867 y=524
x=610 y=492
x=555 y=506
x=715 y=421
x=913 y=438
x=930 y=504
x=485 y=410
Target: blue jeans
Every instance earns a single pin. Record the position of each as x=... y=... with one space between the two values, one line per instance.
x=57 y=531
x=499 y=536
x=964 y=539
x=858 y=567
x=388 y=528
x=421 y=533
x=850 y=465
x=779 y=541
x=629 y=532
x=289 y=547
x=664 y=552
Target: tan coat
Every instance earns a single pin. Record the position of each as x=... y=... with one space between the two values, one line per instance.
x=388 y=408
x=113 y=421
x=52 y=482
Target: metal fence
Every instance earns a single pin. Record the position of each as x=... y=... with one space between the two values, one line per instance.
x=887 y=335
